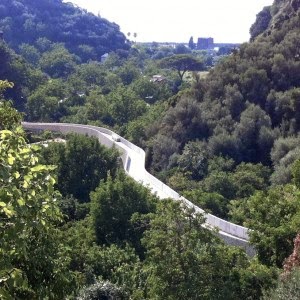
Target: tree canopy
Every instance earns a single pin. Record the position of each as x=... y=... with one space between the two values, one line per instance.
x=30 y=265
x=82 y=33
x=225 y=135
x=182 y=63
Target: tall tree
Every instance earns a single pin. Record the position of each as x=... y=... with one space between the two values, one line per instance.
x=191 y=43
x=182 y=63
x=262 y=22
x=114 y=203
x=30 y=262
x=82 y=163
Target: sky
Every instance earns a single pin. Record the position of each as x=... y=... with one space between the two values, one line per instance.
x=227 y=21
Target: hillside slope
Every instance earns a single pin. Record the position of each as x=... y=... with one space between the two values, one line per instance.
x=248 y=100
x=28 y=21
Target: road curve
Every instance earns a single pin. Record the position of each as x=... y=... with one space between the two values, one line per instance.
x=133 y=159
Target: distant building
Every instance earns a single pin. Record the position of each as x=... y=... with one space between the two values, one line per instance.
x=205 y=43
x=158 y=78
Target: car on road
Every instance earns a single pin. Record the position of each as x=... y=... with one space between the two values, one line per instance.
x=115 y=137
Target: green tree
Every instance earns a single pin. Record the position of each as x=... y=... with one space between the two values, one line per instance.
x=114 y=203
x=262 y=22
x=191 y=43
x=30 y=53
x=181 y=49
x=284 y=153
x=58 y=62
x=92 y=74
x=213 y=202
x=46 y=102
x=186 y=261
x=97 y=108
x=225 y=145
x=128 y=72
x=273 y=217
x=194 y=159
x=185 y=121
x=30 y=261
x=180 y=181
x=252 y=121
x=14 y=69
x=284 y=106
x=164 y=147
x=82 y=162
x=221 y=183
x=9 y=117
x=234 y=101
x=86 y=53
x=92 y=262
x=249 y=178
x=182 y=63
x=288 y=282
x=125 y=105
x=151 y=91
x=56 y=22
x=4 y=84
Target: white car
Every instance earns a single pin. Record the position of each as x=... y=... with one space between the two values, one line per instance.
x=115 y=137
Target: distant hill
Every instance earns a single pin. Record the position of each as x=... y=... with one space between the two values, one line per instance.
x=38 y=22
x=273 y=17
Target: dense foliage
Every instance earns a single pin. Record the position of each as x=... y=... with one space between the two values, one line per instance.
x=31 y=264
x=113 y=205
x=77 y=176
x=38 y=25
x=16 y=70
x=227 y=139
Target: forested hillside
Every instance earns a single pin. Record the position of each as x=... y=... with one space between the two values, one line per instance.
x=36 y=25
x=231 y=141
x=224 y=134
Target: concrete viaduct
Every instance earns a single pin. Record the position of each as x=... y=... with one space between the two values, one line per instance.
x=133 y=159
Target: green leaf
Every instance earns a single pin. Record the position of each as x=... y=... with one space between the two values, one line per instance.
x=35 y=147
x=21 y=202
x=25 y=150
x=25 y=185
x=10 y=160
x=2 y=204
x=8 y=212
x=39 y=168
x=28 y=178
x=52 y=181
x=6 y=132
x=17 y=175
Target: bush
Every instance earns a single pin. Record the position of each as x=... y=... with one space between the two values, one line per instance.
x=102 y=290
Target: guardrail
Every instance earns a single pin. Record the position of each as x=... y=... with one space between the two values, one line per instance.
x=132 y=154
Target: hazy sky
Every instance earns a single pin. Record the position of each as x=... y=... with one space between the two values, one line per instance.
x=177 y=21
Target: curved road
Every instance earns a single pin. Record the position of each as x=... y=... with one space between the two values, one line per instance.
x=133 y=159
